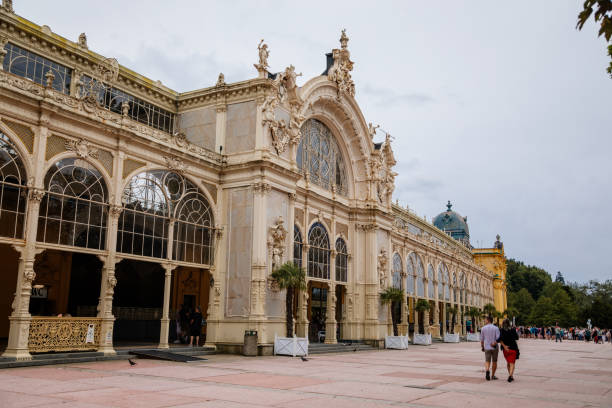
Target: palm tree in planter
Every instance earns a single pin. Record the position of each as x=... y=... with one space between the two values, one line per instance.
x=498 y=316
x=453 y=312
x=291 y=277
x=474 y=312
x=489 y=309
x=421 y=306
x=511 y=313
x=388 y=297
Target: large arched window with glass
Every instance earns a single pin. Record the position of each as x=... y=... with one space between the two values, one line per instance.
x=410 y=271
x=13 y=194
x=318 y=252
x=319 y=155
x=447 y=286
x=440 y=282
x=74 y=209
x=397 y=271
x=420 y=273
x=150 y=201
x=297 y=246
x=462 y=288
x=341 y=260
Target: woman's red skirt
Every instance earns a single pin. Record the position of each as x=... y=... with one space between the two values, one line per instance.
x=510 y=356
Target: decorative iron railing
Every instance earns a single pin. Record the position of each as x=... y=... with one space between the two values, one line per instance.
x=64 y=334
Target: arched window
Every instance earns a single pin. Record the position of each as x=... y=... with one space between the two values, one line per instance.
x=397 y=271
x=297 y=246
x=440 y=282
x=75 y=207
x=341 y=260
x=13 y=181
x=410 y=271
x=150 y=200
x=420 y=275
x=318 y=253
x=319 y=155
x=447 y=288
x=430 y=281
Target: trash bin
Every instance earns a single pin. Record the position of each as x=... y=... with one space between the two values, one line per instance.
x=250 y=343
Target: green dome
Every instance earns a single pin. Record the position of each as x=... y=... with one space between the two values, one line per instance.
x=453 y=223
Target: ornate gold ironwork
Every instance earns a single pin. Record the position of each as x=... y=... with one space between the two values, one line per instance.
x=63 y=334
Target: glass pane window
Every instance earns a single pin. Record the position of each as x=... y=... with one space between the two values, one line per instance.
x=74 y=209
x=13 y=190
x=397 y=271
x=341 y=261
x=26 y=64
x=318 y=252
x=297 y=246
x=319 y=155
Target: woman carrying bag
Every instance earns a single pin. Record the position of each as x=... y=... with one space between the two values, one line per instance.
x=507 y=339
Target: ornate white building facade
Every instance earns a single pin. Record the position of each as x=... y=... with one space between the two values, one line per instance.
x=121 y=199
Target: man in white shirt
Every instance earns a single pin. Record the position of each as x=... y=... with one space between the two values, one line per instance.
x=488 y=343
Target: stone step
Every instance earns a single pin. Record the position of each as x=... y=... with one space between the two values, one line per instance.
x=9 y=363
x=319 y=348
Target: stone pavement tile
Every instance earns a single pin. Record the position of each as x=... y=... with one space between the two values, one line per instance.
x=265 y=380
x=459 y=400
x=219 y=404
x=74 y=404
x=594 y=372
x=122 y=398
x=36 y=386
x=435 y=376
x=239 y=394
x=183 y=372
x=370 y=391
x=56 y=373
x=335 y=402
x=19 y=400
x=113 y=365
x=133 y=382
x=566 y=397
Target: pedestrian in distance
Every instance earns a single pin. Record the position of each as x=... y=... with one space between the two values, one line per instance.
x=195 y=326
x=507 y=339
x=488 y=344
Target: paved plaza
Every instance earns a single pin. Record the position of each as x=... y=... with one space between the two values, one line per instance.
x=570 y=374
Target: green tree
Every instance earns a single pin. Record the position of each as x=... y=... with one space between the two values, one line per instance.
x=390 y=296
x=291 y=277
x=543 y=313
x=523 y=302
x=489 y=309
x=603 y=15
x=532 y=278
x=474 y=312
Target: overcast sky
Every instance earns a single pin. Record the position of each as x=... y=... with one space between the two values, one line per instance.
x=501 y=107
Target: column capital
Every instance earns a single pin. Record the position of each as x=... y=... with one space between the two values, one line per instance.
x=168 y=267
x=36 y=194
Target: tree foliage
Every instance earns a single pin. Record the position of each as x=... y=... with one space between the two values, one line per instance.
x=526 y=276
x=291 y=277
x=388 y=297
x=601 y=10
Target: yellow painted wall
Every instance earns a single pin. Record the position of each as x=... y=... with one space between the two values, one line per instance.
x=494 y=260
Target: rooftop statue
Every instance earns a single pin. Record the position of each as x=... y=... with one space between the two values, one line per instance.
x=264 y=53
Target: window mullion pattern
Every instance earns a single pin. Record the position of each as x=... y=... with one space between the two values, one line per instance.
x=26 y=64
x=13 y=190
x=410 y=274
x=341 y=261
x=397 y=271
x=440 y=282
x=319 y=252
x=430 y=282
x=74 y=209
x=297 y=246
x=319 y=155
x=193 y=230
x=420 y=277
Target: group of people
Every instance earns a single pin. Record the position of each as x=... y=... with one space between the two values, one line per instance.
x=189 y=324
x=559 y=334
x=491 y=338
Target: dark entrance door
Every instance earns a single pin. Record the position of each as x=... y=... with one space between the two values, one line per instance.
x=318 y=310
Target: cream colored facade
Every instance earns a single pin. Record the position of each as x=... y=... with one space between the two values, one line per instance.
x=235 y=146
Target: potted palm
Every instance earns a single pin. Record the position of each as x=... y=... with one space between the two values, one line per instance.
x=489 y=309
x=389 y=297
x=291 y=278
x=452 y=337
x=473 y=312
x=421 y=307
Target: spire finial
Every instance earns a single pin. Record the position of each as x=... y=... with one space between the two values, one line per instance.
x=449 y=205
x=344 y=39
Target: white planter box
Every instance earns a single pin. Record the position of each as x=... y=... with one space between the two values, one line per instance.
x=451 y=338
x=291 y=346
x=473 y=337
x=396 y=342
x=424 y=339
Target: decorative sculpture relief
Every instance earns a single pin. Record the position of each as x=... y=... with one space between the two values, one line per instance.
x=276 y=242
x=81 y=148
x=264 y=53
x=7 y=5
x=221 y=79
x=261 y=187
x=176 y=164
x=372 y=130
x=382 y=268
x=340 y=72
x=36 y=194
x=82 y=43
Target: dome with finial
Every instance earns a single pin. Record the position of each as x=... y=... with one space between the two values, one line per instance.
x=451 y=222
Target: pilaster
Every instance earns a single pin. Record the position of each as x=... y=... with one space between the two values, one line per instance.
x=330 y=320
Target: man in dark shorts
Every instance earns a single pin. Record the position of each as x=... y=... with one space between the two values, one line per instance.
x=488 y=343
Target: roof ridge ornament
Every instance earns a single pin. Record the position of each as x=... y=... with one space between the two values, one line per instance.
x=264 y=53
x=340 y=72
x=7 y=5
x=449 y=206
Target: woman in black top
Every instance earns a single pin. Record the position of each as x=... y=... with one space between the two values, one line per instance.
x=195 y=326
x=507 y=339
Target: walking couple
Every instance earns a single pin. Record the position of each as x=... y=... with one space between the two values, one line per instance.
x=490 y=337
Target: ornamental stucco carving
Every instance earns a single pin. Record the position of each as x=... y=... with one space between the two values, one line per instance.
x=276 y=242
x=340 y=72
x=176 y=164
x=382 y=268
x=81 y=148
x=82 y=41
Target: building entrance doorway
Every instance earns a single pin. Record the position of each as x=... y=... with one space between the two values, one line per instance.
x=317 y=312
x=138 y=301
x=8 y=284
x=190 y=289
